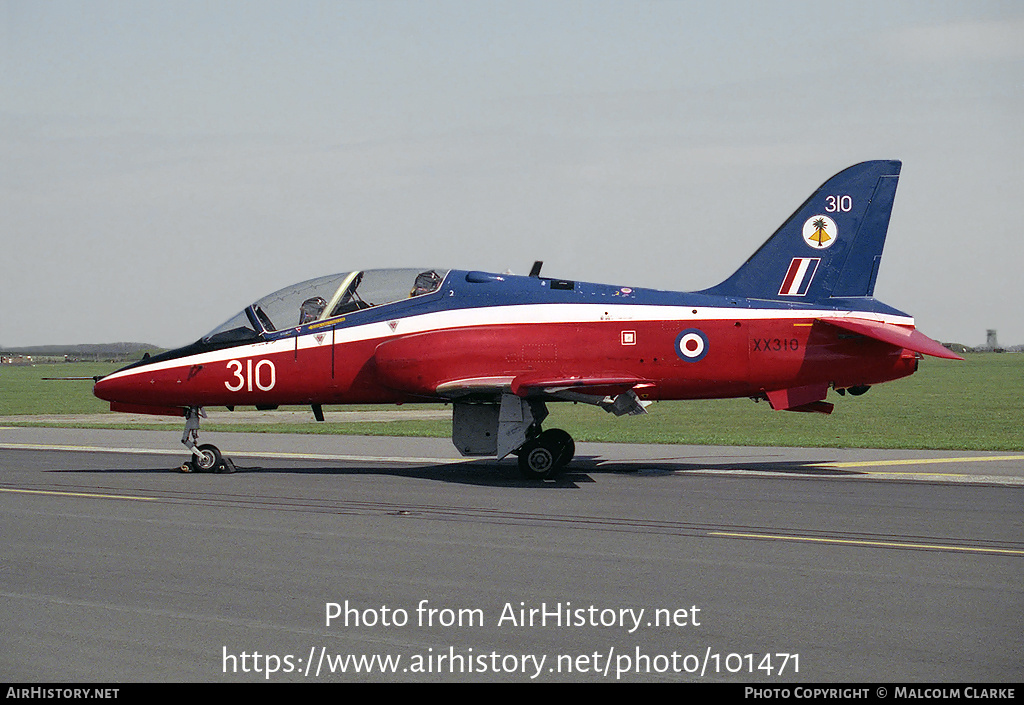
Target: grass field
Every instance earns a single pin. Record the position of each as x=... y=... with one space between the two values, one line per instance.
x=977 y=404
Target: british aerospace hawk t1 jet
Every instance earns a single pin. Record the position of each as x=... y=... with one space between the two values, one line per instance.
x=796 y=319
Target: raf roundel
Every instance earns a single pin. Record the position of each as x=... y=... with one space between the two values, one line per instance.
x=691 y=345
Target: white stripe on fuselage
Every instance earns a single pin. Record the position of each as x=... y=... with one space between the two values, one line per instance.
x=505 y=315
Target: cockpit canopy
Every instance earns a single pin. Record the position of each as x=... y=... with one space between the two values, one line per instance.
x=325 y=298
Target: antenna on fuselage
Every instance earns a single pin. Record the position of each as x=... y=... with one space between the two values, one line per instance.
x=535 y=269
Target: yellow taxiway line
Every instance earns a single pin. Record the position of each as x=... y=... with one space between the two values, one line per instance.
x=864 y=542
x=79 y=494
x=917 y=461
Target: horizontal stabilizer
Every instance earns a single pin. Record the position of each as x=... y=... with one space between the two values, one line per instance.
x=900 y=336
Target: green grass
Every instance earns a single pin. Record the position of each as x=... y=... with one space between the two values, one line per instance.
x=24 y=391
x=977 y=404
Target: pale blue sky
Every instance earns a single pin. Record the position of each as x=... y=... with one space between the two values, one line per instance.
x=163 y=164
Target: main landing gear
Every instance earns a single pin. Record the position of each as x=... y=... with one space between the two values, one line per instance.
x=543 y=455
x=511 y=425
x=206 y=457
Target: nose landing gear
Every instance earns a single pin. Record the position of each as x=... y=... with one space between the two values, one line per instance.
x=206 y=457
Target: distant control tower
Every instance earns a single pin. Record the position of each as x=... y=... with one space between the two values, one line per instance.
x=990 y=339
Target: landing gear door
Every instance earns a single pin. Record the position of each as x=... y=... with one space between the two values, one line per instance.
x=514 y=419
x=491 y=429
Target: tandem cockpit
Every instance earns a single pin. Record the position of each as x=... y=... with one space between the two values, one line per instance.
x=334 y=297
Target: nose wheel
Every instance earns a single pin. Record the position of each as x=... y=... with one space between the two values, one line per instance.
x=206 y=457
x=541 y=457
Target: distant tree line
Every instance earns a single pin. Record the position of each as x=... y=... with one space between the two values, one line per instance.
x=102 y=352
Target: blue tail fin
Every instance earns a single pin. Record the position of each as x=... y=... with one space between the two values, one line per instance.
x=830 y=247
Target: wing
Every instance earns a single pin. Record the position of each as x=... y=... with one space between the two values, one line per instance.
x=614 y=393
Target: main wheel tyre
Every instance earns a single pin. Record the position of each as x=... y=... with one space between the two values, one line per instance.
x=562 y=443
x=537 y=460
x=208 y=459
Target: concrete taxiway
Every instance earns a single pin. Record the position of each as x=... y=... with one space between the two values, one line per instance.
x=638 y=563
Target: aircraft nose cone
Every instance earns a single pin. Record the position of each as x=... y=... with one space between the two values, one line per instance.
x=107 y=389
x=126 y=385
x=131 y=393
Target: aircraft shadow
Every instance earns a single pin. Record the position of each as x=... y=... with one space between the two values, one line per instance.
x=506 y=474
x=481 y=473
x=656 y=467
